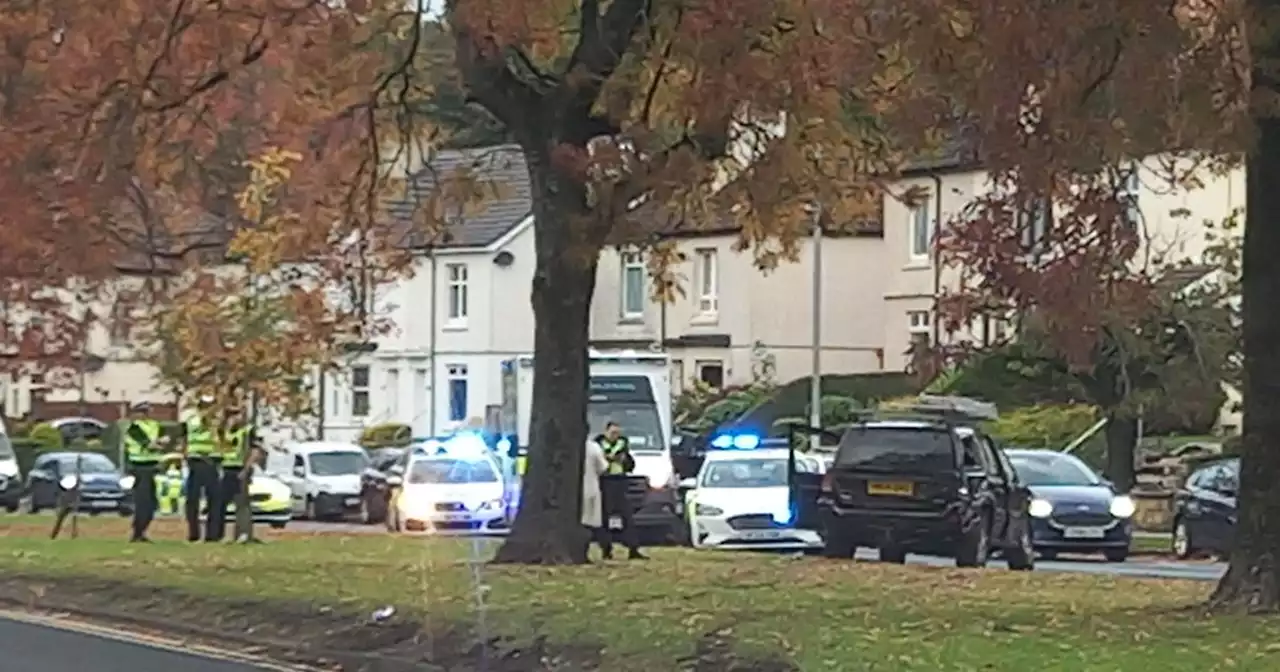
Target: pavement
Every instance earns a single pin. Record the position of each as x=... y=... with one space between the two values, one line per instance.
x=38 y=644
x=1137 y=567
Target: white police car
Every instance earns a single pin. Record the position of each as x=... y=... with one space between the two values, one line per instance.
x=452 y=486
x=741 y=498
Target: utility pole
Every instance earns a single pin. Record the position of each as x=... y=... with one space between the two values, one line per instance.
x=815 y=377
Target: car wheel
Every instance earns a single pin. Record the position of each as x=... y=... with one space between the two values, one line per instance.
x=11 y=507
x=894 y=554
x=1183 y=547
x=837 y=546
x=278 y=526
x=1116 y=554
x=124 y=513
x=310 y=513
x=975 y=547
x=1048 y=555
x=1022 y=554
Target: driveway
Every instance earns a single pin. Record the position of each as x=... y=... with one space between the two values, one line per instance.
x=31 y=646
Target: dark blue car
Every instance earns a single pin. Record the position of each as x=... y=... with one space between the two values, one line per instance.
x=1204 y=510
x=103 y=488
x=1073 y=510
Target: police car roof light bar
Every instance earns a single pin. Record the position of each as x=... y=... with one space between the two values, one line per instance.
x=736 y=442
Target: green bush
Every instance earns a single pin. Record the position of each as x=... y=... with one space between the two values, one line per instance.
x=1044 y=425
x=46 y=436
x=386 y=435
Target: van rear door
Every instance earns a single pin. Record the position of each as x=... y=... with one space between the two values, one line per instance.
x=898 y=467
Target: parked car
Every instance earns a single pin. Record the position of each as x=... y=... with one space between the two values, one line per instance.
x=1204 y=510
x=79 y=428
x=450 y=487
x=1073 y=510
x=103 y=488
x=741 y=499
x=323 y=477
x=375 y=492
x=925 y=485
x=11 y=487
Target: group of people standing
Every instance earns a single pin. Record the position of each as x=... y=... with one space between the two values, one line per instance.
x=219 y=464
x=606 y=509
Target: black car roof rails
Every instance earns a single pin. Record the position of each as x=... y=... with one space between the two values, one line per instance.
x=952 y=412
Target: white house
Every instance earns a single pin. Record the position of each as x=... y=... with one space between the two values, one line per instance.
x=465 y=309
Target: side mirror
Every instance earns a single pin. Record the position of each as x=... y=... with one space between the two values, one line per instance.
x=299 y=472
x=395 y=481
x=688 y=484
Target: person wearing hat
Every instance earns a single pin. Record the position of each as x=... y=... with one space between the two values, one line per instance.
x=144 y=448
x=203 y=477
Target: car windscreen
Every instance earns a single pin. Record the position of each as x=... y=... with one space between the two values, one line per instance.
x=909 y=449
x=6 y=448
x=746 y=473
x=451 y=471
x=1049 y=470
x=89 y=464
x=639 y=423
x=338 y=463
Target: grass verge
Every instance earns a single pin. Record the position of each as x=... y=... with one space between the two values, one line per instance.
x=813 y=614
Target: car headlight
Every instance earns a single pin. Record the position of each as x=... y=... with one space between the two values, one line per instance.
x=491 y=505
x=68 y=482
x=8 y=469
x=1040 y=508
x=707 y=510
x=1123 y=506
x=657 y=482
x=127 y=482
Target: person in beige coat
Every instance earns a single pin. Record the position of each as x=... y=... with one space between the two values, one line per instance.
x=594 y=466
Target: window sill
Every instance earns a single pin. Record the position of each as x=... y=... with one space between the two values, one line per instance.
x=631 y=320
x=918 y=264
x=454 y=326
x=705 y=319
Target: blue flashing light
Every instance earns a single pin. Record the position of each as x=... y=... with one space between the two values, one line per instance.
x=736 y=442
x=503 y=445
x=461 y=445
x=783 y=517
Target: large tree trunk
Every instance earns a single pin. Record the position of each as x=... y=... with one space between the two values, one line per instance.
x=1122 y=439
x=547 y=529
x=1252 y=582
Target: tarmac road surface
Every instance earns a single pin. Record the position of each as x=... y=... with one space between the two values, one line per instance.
x=1138 y=566
x=29 y=645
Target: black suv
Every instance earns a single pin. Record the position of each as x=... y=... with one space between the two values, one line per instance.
x=925 y=486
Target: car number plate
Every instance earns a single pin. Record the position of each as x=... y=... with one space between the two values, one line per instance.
x=891 y=488
x=761 y=534
x=1084 y=533
x=455 y=517
x=615 y=522
x=353 y=501
x=100 y=504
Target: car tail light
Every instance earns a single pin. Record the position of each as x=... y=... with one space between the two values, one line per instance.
x=828 y=483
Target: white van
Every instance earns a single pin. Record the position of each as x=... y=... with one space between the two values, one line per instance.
x=10 y=479
x=324 y=477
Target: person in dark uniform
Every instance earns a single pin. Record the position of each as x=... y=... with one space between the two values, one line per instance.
x=613 y=490
x=202 y=473
x=144 y=448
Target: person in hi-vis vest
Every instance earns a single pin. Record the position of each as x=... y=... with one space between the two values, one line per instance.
x=202 y=471
x=234 y=449
x=618 y=512
x=144 y=446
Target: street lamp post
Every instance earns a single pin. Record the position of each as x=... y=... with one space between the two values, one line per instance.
x=815 y=377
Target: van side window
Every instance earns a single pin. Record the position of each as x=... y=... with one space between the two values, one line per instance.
x=298 y=463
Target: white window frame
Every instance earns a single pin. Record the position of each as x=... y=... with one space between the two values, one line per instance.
x=922 y=217
x=457 y=295
x=703 y=364
x=633 y=270
x=457 y=372
x=358 y=390
x=919 y=322
x=707 y=276
x=1034 y=223
x=391 y=388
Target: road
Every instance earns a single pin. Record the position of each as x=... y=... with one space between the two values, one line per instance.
x=1140 y=567
x=36 y=647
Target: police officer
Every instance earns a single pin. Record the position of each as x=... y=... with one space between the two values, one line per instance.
x=202 y=472
x=233 y=450
x=144 y=448
x=613 y=490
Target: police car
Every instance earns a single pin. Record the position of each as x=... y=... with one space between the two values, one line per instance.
x=451 y=486
x=741 y=498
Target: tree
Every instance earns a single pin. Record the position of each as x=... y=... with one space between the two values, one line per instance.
x=126 y=136
x=633 y=115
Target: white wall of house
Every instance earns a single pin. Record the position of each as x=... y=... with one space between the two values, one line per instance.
x=725 y=294
x=434 y=369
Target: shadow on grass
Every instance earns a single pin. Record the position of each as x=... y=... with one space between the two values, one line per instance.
x=357 y=642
